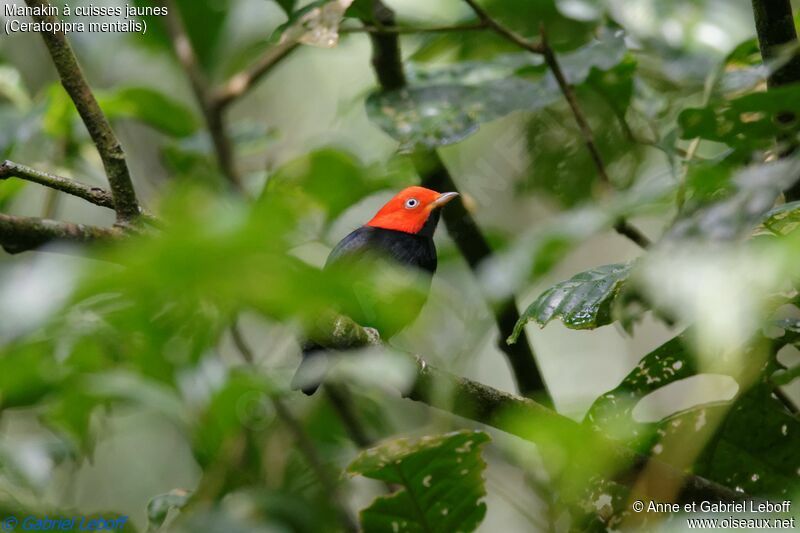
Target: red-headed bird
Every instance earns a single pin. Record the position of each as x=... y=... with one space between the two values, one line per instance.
x=402 y=231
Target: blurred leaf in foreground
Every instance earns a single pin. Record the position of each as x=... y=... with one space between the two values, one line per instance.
x=150 y=107
x=441 y=479
x=755 y=190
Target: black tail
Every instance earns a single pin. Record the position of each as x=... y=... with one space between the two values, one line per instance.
x=309 y=375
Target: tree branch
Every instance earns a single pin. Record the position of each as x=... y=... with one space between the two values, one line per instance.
x=240 y=83
x=94 y=195
x=458 y=28
x=304 y=443
x=623 y=227
x=504 y=411
x=502 y=30
x=20 y=234
x=388 y=65
x=775 y=28
x=212 y=114
x=125 y=203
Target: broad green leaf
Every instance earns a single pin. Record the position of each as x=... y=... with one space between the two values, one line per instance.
x=783 y=219
x=27 y=374
x=438 y=112
x=756 y=430
x=315 y=24
x=159 y=506
x=582 y=302
x=667 y=363
x=748 y=122
x=440 y=115
x=441 y=480
x=757 y=449
x=333 y=180
x=755 y=190
x=151 y=107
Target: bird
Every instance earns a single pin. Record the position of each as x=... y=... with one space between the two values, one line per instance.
x=402 y=232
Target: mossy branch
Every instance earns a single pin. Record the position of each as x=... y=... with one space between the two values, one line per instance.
x=504 y=411
x=20 y=234
x=125 y=203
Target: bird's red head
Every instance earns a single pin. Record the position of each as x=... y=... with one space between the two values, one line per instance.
x=410 y=209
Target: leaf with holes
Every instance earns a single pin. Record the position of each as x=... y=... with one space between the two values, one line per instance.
x=581 y=302
x=755 y=430
x=441 y=479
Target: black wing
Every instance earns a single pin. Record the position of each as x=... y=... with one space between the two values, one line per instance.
x=405 y=248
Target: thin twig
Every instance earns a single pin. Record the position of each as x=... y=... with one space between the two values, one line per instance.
x=504 y=411
x=622 y=227
x=92 y=194
x=240 y=83
x=212 y=113
x=458 y=28
x=342 y=403
x=543 y=48
x=508 y=33
x=20 y=234
x=305 y=444
x=108 y=146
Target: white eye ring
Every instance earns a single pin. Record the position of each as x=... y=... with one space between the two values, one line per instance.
x=411 y=203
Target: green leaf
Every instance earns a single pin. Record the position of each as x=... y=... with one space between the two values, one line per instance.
x=667 y=363
x=441 y=483
x=757 y=449
x=755 y=430
x=782 y=220
x=440 y=115
x=446 y=112
x=748 y=122
x=159 y=506
x=755 y=190
x=333 y=180
x=582 y=302
x=151 y=107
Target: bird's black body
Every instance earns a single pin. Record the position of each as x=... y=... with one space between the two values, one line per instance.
x=413 y=250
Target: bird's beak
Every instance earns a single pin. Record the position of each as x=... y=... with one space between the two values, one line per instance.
x=442 y=199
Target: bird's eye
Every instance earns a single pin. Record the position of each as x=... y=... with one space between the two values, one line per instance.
x=411 y=203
